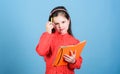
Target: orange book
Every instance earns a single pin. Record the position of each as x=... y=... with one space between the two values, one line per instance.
x=59 y=60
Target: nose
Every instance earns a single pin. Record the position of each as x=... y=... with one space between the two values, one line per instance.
x=60 y=25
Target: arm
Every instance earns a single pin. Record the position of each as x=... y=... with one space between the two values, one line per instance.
x=45 y=40
x=44 y=44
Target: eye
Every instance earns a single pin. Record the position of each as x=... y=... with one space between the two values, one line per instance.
x=56 y=23
x=63 y=21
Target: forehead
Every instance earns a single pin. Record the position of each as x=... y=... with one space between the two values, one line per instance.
x=59 y=18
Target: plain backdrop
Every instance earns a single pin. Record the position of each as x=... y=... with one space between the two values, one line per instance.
x=23 y=21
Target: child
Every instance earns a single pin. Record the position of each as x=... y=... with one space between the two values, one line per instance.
x=58 y=33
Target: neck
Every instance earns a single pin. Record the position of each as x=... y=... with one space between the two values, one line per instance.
x=61 y=33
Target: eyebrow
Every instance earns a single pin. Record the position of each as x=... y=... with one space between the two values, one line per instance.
x=56 y=23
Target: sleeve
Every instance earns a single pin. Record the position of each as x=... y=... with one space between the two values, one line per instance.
x=44 y=44
x=77 y=64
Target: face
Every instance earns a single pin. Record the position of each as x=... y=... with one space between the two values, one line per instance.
x=61 y=24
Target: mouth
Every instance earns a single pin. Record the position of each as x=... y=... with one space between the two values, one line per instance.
x=61 y=29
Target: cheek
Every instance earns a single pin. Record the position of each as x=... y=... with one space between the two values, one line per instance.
x=67 y=26
x=56 y=27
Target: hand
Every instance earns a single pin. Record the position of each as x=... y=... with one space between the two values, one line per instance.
x=49 y=27
x=70 y=59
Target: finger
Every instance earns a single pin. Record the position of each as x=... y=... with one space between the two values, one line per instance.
x=71 y=52
x=67 y=59
x=50 y=23
x=53 y=24
x=47 y=23
x=65 y=55
x=75 y=52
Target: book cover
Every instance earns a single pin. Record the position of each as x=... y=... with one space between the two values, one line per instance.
x=59 y=60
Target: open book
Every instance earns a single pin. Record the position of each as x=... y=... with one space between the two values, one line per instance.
x=59 y=60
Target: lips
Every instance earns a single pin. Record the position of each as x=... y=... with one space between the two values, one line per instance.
x=61 y=29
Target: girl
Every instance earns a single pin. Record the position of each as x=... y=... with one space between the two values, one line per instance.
x=58 y=33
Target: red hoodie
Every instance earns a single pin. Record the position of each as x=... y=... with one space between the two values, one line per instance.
x=48 y=47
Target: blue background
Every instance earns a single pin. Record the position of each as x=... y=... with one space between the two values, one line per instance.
x=23 y=21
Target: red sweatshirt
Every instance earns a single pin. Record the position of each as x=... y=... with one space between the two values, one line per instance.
x=48 y=47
